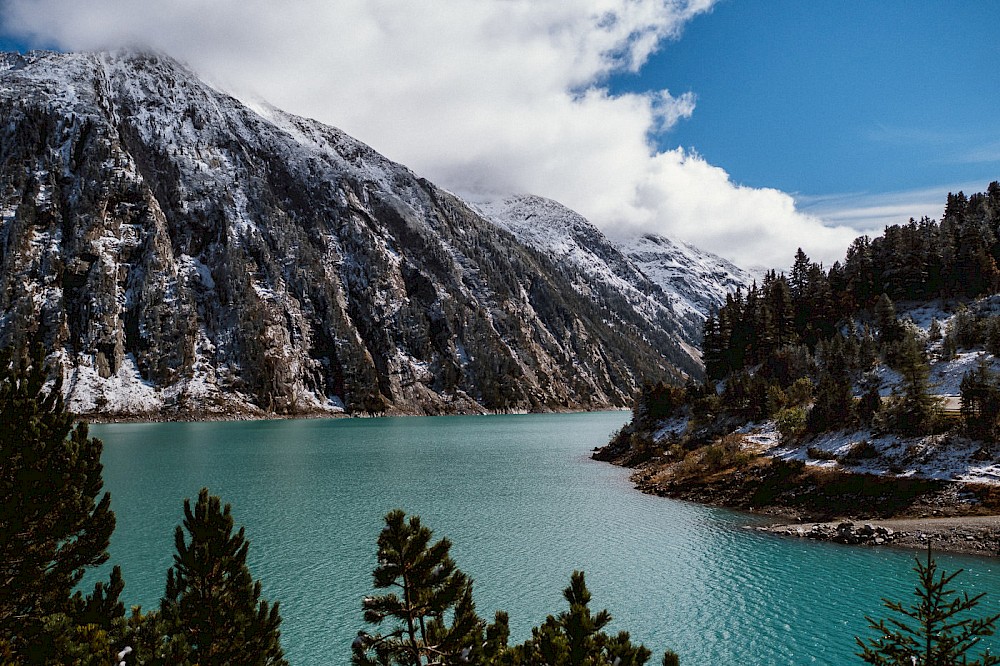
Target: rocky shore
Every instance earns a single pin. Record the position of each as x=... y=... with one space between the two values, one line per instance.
x=974 y=535
x=811 y=502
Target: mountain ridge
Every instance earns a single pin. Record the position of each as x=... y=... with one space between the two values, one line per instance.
x=696 y=281
x=181 y=253
x=671 y=284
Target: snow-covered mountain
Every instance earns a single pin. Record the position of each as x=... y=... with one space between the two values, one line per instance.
x=180 y=252
x=672 y=285
x=695 y=281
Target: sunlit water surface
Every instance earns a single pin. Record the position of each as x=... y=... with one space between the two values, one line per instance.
x=524 y=506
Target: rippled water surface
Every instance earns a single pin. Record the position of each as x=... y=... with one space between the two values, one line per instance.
x=524 y=506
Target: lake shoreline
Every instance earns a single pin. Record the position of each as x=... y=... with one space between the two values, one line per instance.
x=524 y=507
x=968 y=535
x=805 y=502
x=788 y=521
x=233 y=417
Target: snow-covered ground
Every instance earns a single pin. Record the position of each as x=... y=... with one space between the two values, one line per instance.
x=945 y=457
x=946 y=375
x=126 y=393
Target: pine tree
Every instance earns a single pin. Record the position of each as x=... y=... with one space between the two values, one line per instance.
x=54 y=520
x=818 y=318
x=429 y=588
x=148 y=634
x=713 y=351
x=966 y=328
x=931 y=631
x=104 y=605
x=949 y=347
x=955 y=207
x=581 y=628
x=859 y=271
x=576 y=636
x=934 y=333
x=834 y=398
x=779 y=303
x=916 y=408
x=871 y=400
x=980 y=391
x=495 y=650
x=867 y=350
x=889 y=328
x=974 y=264
x=211 y=600
x=670 y=658
x=950 y=281
x=799 y=279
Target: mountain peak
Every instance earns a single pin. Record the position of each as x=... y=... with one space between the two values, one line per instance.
x=698 y=281
x=675 y=285
x=180 y=254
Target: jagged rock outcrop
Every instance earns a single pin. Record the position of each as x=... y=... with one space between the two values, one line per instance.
x=180 y=253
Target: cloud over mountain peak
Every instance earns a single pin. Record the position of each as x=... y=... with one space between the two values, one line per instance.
x=505 y=95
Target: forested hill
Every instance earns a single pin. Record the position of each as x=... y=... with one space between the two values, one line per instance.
x=955 y=258
x=869 y=388
x=896 y=348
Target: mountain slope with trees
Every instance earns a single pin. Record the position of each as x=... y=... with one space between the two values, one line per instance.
x=885 y=363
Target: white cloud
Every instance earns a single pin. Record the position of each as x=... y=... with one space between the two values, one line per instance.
x=505 y=95
x=668 y=110
x=988 y=151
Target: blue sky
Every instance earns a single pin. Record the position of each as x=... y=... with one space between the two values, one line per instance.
x=8 y=44
x=826 y=98
x=748 y=127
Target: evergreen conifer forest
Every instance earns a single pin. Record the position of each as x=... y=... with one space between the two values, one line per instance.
x=872 y=387
x=801 y=347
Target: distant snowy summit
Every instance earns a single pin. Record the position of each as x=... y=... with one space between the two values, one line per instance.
x=181 y=254
x=669 y=283
x=697 y=281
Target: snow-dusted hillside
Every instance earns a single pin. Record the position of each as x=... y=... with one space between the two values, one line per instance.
x=948 y=456
x=182 y=253
x=671 y=284
x=695 y=281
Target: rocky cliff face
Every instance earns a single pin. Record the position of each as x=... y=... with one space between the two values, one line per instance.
x=672 y=286
x=181 y=253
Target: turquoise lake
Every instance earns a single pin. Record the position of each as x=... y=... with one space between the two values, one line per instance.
x=524 y=506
